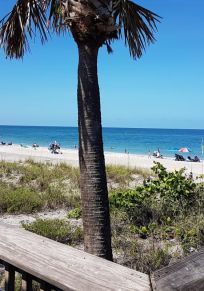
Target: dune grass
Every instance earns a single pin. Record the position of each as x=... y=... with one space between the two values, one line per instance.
x=31 y=186
x=152 y=223
x=123 y=175
x=19 y=199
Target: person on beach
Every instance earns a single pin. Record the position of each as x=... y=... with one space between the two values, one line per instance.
x=55 y=148
x=35 y=145
x=157 y=154
x=154 y=153
x=149 y=155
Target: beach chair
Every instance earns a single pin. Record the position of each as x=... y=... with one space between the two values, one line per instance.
x=179 y=158
x=189 y=159
x=195 y=159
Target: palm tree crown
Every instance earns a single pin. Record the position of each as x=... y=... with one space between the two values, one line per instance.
x=102 y=20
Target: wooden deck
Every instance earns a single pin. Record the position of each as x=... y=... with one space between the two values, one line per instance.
x=185 y=275
x=60 y=267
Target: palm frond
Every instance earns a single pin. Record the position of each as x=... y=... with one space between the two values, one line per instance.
x=22 y=22
x=58 y=11
x=136 y=24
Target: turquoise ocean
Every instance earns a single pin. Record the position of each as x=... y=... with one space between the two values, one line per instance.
x=133 y=140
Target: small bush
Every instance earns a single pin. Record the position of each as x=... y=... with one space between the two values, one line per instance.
x=133 y=202
x=19 y=200
x=57 y=229
x=75 y=213
x=169 y=195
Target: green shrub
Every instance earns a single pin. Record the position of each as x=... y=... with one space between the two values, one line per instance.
x=133 y=202
x=169 y=195
x=190 y=233
x=19 y=200
x=173 y=192
x=57 y=229
x=75 y=213
x=143 y=231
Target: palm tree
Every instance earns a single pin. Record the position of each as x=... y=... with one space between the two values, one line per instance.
x=92 y=23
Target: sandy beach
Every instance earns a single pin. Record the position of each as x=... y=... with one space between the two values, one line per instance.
x=70 y=156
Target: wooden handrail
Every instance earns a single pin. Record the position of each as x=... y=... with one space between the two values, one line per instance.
x=59 y=267
x=185 y=275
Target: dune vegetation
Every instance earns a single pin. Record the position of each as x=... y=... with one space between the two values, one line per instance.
x=156 y=216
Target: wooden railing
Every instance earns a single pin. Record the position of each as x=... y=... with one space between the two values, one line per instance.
x=185 y=275
x=26 y=281
x=59 y=267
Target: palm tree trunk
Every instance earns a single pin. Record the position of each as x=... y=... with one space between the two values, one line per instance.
x=94 y=193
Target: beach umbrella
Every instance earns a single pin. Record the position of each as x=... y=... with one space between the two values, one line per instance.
x=184 y=150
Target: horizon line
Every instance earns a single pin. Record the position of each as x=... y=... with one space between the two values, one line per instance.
x=116 y=127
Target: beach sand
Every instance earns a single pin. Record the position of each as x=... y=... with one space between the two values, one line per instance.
x=70 y=156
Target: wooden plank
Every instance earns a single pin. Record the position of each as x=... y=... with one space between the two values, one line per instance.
x=187 y=274
x=63 y=266
x=9 y=278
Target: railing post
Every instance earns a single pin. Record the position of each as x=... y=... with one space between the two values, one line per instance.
x=9 y=277
x=45 y=287
x=26 y=282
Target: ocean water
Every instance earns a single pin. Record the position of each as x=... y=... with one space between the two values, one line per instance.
x=133 y=140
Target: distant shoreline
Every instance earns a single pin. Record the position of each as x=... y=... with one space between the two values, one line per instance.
x=70 y=156
x=120 y=140
x=108 y=127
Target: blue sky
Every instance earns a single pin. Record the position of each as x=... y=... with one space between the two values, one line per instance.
x=164 y=89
